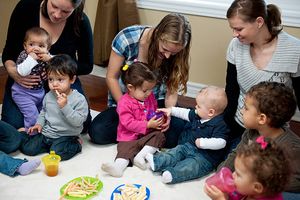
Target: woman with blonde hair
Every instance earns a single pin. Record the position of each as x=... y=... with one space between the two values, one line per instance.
x=165 y=48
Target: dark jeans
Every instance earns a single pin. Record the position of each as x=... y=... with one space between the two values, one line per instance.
x=12 y=114
x=103 y=129
x=10 y=138
x=290 y=196
x=184 y=162
x=67 y=146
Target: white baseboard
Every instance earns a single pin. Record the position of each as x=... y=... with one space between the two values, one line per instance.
x=194 y=88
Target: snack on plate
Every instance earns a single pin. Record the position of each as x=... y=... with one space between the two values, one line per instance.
x=131 y=192
x=81 y=188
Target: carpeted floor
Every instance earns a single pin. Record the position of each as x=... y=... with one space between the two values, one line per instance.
x=38 y=186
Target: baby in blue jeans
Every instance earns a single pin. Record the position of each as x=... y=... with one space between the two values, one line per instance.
x=206 y=134
x=15 y=166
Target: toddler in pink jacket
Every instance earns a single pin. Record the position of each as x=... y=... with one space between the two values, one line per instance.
x=138 y=134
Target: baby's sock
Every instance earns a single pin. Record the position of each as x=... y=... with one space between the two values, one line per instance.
x=139 y=159
x=28 y=167
x=117 y=168
x=166 y=177
x=149 y=158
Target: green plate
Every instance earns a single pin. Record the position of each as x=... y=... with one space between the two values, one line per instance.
x=91 y=180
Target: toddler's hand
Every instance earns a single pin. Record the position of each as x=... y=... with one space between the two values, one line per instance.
x=155 y=123
x=214 y=193
x=62 y=99
x=34 y=128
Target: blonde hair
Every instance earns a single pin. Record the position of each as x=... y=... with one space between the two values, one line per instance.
x=216 y=98
x=173 y=28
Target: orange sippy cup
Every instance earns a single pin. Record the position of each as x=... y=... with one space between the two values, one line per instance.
x=51 y=163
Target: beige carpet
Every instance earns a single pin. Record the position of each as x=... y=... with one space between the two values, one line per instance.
x=38 y=186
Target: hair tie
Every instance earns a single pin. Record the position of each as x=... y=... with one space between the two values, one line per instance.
x=135 y=60
x=125 y=67
x=260 y=140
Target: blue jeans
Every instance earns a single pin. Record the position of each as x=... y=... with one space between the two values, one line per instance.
x=12 y=114
x=9 y=165
x=290 y=196
x=184 y=162
x=67 y=146
x=10 y=138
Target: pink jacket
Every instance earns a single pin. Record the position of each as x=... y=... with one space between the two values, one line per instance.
x=132 y=117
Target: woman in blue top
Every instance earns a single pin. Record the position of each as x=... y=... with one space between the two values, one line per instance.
x=70 y=32
x=166 y=49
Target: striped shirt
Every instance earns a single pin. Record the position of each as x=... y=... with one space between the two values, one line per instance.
x=284 y=64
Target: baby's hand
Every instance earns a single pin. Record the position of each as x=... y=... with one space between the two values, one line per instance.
x=34 y=55
x=44 y=57
x=167 y=111
x=36 y=127
x=62 y=99
x=214 y=193
x=197 y=143
x=155 y=123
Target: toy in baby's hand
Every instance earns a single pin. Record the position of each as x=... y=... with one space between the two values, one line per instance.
x=152 y=113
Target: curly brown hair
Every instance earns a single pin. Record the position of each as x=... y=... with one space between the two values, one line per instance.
x=174 y=28
x=270 y=166
x=275 y=100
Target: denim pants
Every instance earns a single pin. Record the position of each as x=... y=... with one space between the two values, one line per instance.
x=10 y=138
x=184 y=162
x=9 y=165
x=67 y=146
x=290 y=196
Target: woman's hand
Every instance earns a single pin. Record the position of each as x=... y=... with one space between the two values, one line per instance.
x=26 y=81
x=214 y=193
